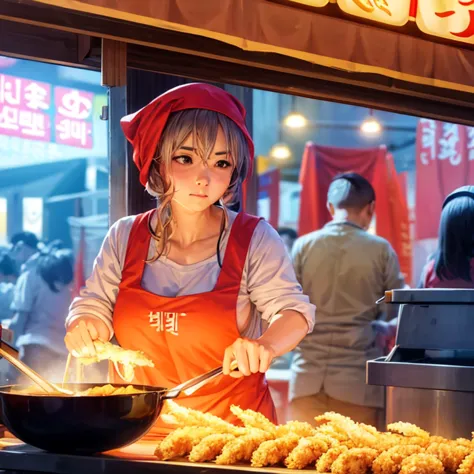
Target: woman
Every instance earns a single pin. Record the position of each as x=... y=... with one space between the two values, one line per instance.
x=41 y=300
x=184 y=283
x=452 y=265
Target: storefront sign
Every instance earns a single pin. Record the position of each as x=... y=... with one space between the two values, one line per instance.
x=312 y=3
x=391 y=12
x=24 y=107
x=444 y=162
x=27 y=112
x=451 y=19
x=73 y=117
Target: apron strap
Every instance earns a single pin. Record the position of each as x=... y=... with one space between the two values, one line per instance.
x=137 y=250
x=237 y=249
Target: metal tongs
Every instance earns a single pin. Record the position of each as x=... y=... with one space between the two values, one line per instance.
x=10 y=354
x=194 y=384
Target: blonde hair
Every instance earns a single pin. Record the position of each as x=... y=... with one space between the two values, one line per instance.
x=203 y=125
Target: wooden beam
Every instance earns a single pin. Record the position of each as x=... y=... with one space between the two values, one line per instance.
x=32 y=42
x=114 y=63
x=114 y=76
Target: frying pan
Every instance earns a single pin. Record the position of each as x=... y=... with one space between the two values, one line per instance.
x=87 y=424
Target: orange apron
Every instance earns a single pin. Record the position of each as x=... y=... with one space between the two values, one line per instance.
x=186 y=336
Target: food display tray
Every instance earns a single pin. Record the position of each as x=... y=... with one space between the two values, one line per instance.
x=138 y=458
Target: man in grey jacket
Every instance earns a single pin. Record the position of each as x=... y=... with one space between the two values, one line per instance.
x=344 y=270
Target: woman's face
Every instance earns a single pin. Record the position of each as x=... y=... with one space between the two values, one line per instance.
x=199 y=184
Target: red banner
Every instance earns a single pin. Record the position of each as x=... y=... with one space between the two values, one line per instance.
x=442 y=165
x=269 y=192
x=401 y=238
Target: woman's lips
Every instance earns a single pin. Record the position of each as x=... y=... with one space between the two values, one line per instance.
x=199 y=195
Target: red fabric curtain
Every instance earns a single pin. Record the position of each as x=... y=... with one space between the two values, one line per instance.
x=319 y=166
x=401 y=238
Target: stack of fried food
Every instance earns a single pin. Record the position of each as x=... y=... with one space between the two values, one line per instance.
x=335 y=444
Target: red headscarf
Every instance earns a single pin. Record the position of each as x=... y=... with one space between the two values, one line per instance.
x=144 y=128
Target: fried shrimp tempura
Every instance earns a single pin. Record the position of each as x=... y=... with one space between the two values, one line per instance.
x=210 y=447
x=274 y=451
x=361 y=435
x=467 y=466
x=463 y=442
x=390 y=461
x=333 y=431
x=407 y=429
x=178 y=415
x=326 y=461
x=180 y=442
x=253 y=419
x=300 y=428
x=332 y=417
x=242 y=448
x=354 y=461
x=307 y=452
x=451 y=455
x=386 y=441
x=422 y=463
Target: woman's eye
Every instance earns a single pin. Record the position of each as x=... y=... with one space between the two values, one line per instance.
x=223 y=164
x=183 y=159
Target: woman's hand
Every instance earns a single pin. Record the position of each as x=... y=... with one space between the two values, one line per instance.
x=82 y=333
x=252 y=356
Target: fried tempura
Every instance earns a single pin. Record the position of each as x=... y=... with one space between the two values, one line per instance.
x=464 y=442
x=354 y=461
x=274 y=451
x=242 y=448
x=407 y=429
x=326 y=461
x=253 y=419
x=182 y=416
x=361 y=435
x=307 y=452
x=390 y=461
x=102 y=391
x=450 y=454
x=210 y=447
x=332 y=417
x=467 y=465
x=299 y=428
x=334 y=432
x=180 y=442
x=127 y=358
x=422 y=463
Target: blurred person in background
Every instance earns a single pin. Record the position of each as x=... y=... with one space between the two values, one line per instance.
x=8 y=277
x=344 y=270
x=25 y=245
x=452 y=264
x=289 y=236
x=41 y=301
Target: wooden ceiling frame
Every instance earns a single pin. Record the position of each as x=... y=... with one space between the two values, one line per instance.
x=200 y=58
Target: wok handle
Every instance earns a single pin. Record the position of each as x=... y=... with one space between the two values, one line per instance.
x=196 y=383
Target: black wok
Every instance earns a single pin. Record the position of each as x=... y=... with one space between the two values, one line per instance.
x=88 y=424
x=81 y=424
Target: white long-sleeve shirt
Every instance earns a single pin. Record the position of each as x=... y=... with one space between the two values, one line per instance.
x=268 y=286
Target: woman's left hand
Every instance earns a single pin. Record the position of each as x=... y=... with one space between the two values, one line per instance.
x=252 y=356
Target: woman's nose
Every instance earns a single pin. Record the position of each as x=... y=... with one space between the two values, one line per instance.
x=203 y=177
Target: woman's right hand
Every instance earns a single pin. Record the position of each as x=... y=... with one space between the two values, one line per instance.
x=82 y=333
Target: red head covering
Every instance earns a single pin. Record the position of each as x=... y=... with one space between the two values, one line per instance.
x=144 y=128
